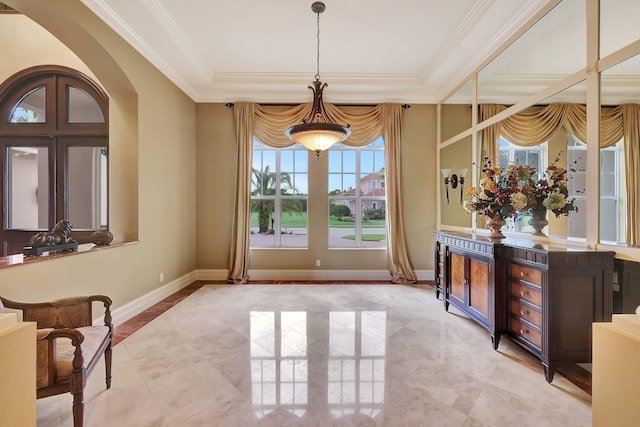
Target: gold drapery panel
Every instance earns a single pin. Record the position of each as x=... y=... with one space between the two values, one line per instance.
x=243 y=113
x=269 y=123
x=397 y=257
x=490 y=135
x=538 y=124
x=631 y=114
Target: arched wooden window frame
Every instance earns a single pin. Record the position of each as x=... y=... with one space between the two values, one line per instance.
x=57 y=133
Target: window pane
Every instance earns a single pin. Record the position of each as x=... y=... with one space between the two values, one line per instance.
x=374 y=227
x=301 y=158
x=609 y=220
x=608 y=185
x=349 y=161
x=576 y=221
x=87 y=187
x=82 y=107
x=31 y=108
x=28 y=188
x=293 y=223
x=269 y=160
x=335 y=161
x=366 y=162
x=286 y=161
x=263 y=181
x=607 y=161
x=520 y=157
x=262 y=223
x=379 y=161
x=301 y=183
x=342 y=226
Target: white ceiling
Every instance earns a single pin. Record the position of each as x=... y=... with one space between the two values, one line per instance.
x=407 y=51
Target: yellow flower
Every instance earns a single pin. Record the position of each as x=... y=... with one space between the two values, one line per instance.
x=554 y=201
x=519 y=201
x=470 y=191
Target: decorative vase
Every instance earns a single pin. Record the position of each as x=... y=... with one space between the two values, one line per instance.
x=538 y=220
x=495 y=224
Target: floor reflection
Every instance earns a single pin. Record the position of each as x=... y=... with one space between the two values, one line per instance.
x=357 y=348
x=352 y=373
x=279 y=369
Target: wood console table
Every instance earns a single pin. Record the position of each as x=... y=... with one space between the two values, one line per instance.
x=543 y=297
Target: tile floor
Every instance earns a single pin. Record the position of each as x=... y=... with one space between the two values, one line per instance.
x=317 y=355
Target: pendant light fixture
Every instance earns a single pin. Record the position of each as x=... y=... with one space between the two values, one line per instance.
x=317 y=133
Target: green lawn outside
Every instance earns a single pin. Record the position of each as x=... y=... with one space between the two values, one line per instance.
x=300 y=220
x=367 y=237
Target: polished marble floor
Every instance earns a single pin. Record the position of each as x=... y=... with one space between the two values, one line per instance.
x=318 y=355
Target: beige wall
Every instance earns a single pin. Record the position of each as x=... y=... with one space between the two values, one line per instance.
x=152 y=158
x=216 y=158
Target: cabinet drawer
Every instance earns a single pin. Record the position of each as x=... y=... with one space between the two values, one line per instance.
x=529 y=274
x=528 y=293
x=526 y=332
x=523 y=311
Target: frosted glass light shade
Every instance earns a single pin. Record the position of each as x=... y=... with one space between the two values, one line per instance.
x=318 y=136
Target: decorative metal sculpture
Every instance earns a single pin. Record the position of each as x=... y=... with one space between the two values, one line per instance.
x=58 y=239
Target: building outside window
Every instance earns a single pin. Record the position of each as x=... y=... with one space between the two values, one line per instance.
x=357 y=196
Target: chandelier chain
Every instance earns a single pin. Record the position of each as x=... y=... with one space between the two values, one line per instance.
x=318 y=47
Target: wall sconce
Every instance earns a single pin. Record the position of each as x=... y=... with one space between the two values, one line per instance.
x=445 y=175
x=454 y=180
x=463 y=174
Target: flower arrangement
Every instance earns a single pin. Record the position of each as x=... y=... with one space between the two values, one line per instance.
x=498 y=193
x=505 y=193
x=549 y=192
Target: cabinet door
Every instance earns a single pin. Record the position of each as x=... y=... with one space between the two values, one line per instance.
x=457 y=275
x=479 y=285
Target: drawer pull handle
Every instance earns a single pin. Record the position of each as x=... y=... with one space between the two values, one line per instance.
x=523 y=292
x=523 y=274
x=523 y=312
x=523 y=331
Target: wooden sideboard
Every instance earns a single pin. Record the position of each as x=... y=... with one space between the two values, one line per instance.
x=628 y=296
x=543 y=297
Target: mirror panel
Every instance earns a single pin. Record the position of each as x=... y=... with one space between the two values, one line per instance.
x=456 y=112
x=455 y=159
x=561 y=146
x=618 y=24
x=551 y=50
x=619 y=85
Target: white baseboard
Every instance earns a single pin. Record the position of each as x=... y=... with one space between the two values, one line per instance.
x=319 y=275
x=221 y=275
x=138 y=305
x=217 y=275
x=425 y=274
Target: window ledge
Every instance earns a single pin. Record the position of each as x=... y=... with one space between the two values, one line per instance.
x=20 y=259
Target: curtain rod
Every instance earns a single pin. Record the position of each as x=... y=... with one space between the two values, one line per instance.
x=405 y=106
